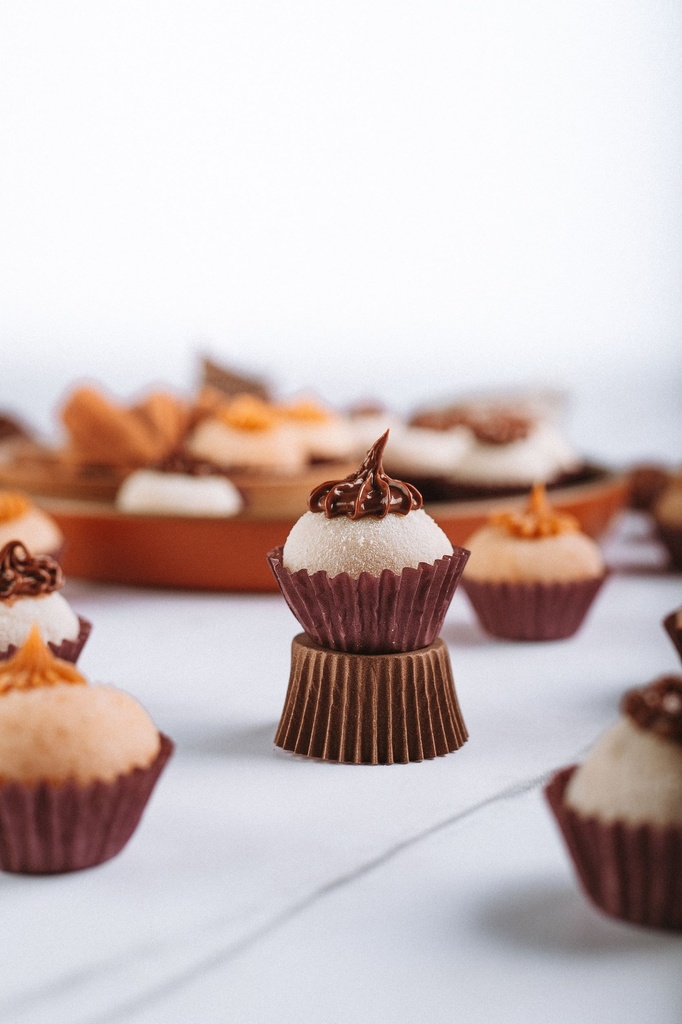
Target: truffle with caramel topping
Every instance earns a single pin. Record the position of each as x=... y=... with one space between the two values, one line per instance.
x=29 y=595
x=77 y=764
x=532 y=574
x=367 y=570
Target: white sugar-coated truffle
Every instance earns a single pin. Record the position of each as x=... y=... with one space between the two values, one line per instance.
x=67 y=731
x=36 y=531
x=422 y=451
x=55 y=619
x=496 y=556
x=178 y=494
x=541 y=456
x=632 y=775
x=368 y=544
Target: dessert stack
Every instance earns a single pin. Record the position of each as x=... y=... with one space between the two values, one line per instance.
x=369 y=576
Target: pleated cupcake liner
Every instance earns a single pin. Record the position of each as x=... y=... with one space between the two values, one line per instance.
x=370 y=709
x=632 y=872
x=384 y=614
x=672 y=538
x=532 y=611
x=51 y=829
x=674 y=631
x=68 y=650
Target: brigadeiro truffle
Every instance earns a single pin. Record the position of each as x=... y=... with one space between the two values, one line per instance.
x=29 y=594
x=77 y=764
x=621 y=811
x=532 y=575
x=21 y=520
x=369 y=575
x=366 y=570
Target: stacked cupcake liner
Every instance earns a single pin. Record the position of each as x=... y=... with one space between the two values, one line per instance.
x=389 y=613
x=67 y=650
x=370 y=709
x=532 y=611
x=46 y=829
x=633 y=872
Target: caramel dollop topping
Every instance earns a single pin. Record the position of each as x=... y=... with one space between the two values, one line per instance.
x=12 y=505
x=21 y=574
x=246 y=412
x=657 y=707
x=537 y=520
x=367 y=492
x=305 y=411
x=35 y=665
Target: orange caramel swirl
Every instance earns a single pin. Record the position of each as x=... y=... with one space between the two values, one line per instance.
x=367 y=492
x=13 y=504
x=657 y=707
x=23 y=575
x=34 y=665
x=537 y=520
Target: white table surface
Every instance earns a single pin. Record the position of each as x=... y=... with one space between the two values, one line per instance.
x=263 y=887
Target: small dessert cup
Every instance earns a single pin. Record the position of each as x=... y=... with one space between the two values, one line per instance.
x=370 y=709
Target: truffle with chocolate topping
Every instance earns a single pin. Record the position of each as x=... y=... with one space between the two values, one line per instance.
x=29 y=595
x=21 y=520
x=634 y=773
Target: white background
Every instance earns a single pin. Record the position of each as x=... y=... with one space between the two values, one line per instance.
x=401 y=200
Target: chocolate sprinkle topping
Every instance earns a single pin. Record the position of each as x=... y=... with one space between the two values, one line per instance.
x=657 y=707
x=367 y=492
x=23 y=575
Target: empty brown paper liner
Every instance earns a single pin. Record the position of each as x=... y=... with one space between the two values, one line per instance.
x=673 y=630
x=633 y=872
x=370 y=709
x=672 y=538
x=68 y=650
x=381 y=614
x=47 y=829
x=532 y=611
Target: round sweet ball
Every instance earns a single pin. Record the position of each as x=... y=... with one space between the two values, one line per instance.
x=369 y=544
x=147 y=491
x=497 y=557
x=74 y=733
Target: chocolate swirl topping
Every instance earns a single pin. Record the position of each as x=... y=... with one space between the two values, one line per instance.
x=180 y=461
x=23 y=575
x=367 y=492
x=500 y=428
x=657 y=707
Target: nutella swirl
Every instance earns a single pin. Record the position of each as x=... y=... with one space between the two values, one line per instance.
x=22 y=575
x=367 y=492
x=657 y=707
x=500 y=428
x=180 y=461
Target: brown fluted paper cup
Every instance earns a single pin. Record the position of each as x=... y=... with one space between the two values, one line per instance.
x=370 y=709
x=68 y=650
x=673 y=630
x=532 y=611
x=633 y=872
x=49 y=829
x=382 y=614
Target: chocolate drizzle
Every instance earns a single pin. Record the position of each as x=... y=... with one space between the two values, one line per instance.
x=22 y=575
x=367 y=492
x=500 y=428
x=657 y=707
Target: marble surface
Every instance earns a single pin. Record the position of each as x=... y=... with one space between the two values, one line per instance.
x=262 y=887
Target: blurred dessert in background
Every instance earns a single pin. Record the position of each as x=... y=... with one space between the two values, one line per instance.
x=21 y=520
x=667 y=512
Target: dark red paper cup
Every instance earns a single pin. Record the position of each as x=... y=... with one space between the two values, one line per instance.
x=633 y=872
x=370 y=709
x=68 y=650
x=384 y=614
x=51 y=829
x=672 y=538
x=673 y=630
x=532 y=611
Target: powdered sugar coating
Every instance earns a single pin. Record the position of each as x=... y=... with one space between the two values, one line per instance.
x=364 y=545
x=149 y=491
x=55 y=618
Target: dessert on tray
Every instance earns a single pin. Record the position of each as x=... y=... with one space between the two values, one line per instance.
x=369 y=575
x=180 y=486
x=532 y=575
x=29 y=595
x=77 y=764
x=621 y=811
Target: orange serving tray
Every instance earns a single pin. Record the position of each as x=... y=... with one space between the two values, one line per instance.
x=229 y=554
